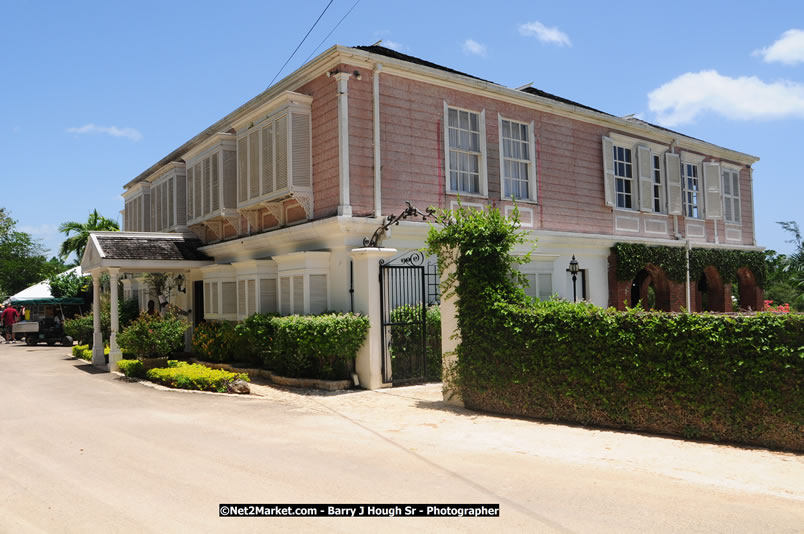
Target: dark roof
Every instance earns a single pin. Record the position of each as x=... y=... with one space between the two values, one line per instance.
x=381 y=50
x=646 y=123
x=122 y=247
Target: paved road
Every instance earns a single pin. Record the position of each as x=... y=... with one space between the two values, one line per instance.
x=82 y=451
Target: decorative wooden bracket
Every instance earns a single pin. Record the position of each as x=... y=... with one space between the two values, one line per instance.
x=305 y=200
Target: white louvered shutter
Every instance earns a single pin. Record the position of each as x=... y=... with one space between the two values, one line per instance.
x=298 y=294
x=206 y=186
x=197 y=208
x=254 y=164
x=268 y=295
x=673 y=173
x=608 y=171
x=268 y=159
x=301 y=164
x=714 y=202
x=215 y=298
x=189 y=194
x=207 y=298
x=171 y=202
x=242 y=169
x=251 y=297
x=229 y=297
x=645 y=171
x=216 y=185
x=281 y=153
x=241 y=297
x=318 y=293
x=284 y=295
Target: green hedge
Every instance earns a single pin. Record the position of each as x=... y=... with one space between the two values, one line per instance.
x=185 y=375
x=725 y=378
x=406 y=340
x=220 y=341
x=154 y=336
x=132 y=368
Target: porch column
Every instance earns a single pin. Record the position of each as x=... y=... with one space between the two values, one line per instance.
x=344 y=206
x=366 y=269
x=98 y=359
x=114 y=352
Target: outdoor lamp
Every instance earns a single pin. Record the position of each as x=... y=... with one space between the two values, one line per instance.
x=573 y=269
x=180 y=283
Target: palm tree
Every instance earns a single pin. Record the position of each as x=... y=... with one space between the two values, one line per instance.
x=78 y=241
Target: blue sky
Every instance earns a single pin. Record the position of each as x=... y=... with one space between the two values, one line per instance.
x=93 y=93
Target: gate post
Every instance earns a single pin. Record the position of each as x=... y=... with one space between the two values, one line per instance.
x=450 y=339
x=366 y=268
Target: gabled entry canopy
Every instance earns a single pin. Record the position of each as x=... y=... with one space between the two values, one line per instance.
x=142 y=252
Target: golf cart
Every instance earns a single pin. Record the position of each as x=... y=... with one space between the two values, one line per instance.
x=45 y=321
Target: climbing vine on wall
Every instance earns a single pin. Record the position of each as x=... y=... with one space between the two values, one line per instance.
x=632 y=258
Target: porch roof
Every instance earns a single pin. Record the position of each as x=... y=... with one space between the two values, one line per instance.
x=143 y=252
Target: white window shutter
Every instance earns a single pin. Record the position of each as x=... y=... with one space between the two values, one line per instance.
x=281 y=154
x=216 y=186
x=318 y=293
x=254 y=164
x=189 y=194
x=241 y=298
x=268 y=295
x=268 y=159
x=714 y=202
x=484 y=166
x=608 y=171
x=242 y=169
x=645 y=171
x=673 y=172
x=251 y=297
x=301 y=167
x=446 y=148
x=502 y=156
x=532 y=167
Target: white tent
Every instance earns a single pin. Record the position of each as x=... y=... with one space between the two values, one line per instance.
x=38 y=291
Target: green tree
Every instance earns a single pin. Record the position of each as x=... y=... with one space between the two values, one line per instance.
x=77 y=242
x=22 y=258
x=786 y=273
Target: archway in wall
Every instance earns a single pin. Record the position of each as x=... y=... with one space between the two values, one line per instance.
x=709 y=292
x=650 y=286
x=747 y=287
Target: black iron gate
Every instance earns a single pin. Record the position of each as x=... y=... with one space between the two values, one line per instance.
x=406 y=290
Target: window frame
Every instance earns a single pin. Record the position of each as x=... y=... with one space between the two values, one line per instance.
x=735 y=199
x=697 y=192
x=482 y=154
x=658 y=183
x=532 y=170
x=633 y=193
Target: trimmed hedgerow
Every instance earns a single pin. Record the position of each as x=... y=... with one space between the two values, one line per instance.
x=406 y=339
x=185 y=375
x=132 y=368
x=724 y=378
x=220 y=341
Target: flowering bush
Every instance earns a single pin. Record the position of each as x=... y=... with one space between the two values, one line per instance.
x=220 y=341
x=153 y=336
x=781 y=308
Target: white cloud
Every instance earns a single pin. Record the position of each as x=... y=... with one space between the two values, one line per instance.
x=686 y=97
x=544 y=34
x=471 y=46
x=393 y=45
x=114 y=131
x=788 y=49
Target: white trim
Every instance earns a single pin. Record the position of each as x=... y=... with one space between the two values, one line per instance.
x=509 y=209
x=377 y=151
x=531 y=179
x=624 y=221
x=620 y=139
x=482 y=163
x=689 y=157
x=344 y=205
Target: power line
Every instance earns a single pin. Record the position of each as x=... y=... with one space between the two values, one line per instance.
x=301 y=43
x=332 y=31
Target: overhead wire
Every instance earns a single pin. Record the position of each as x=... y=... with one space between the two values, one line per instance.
x=301 y=43
x=331 y=31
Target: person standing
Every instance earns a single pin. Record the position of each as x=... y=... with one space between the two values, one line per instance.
x=10 y=316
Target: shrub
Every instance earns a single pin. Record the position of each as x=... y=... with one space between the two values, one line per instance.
x=257 y=332
x=406 y=340
x=82 y=327
x=220 y=341
x=132 y=368
x=83 y=351
x=194 y=376
x=154 y=336
x=318 y=346
x=733 y=378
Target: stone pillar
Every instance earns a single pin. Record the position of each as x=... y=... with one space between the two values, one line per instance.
x=98 y=359
x=114 y=351
x=450 y=339
x=366 y=269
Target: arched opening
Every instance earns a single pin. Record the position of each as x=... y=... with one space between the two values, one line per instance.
x=709 y=292
x=748 y=298
x=650 y=286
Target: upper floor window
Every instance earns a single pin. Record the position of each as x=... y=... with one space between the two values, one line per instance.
x=517 y=156
x=624 y=177
x=466 y=148
x=692 y=190
x=731 y=195
x=657 y=183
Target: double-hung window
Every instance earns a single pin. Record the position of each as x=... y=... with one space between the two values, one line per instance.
x=624 y=177
x=517 y=160
x=692 y=190
x=466 y=149
x=656 y=169
x=731 y=195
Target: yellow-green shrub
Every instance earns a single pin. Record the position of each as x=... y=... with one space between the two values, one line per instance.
x=184 y=375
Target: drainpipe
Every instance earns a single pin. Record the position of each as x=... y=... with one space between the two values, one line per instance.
x=689 y=304
x=377 y=161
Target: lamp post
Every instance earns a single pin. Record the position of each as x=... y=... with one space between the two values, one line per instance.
x=573 y=268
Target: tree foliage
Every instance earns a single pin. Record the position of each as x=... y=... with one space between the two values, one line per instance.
x=22 y=258
x=786 y=273
x=77 y=242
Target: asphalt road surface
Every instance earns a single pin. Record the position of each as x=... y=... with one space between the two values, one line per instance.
x=83 y=451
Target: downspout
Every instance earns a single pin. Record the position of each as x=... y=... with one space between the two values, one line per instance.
x=377 y=161
x=688 y=276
